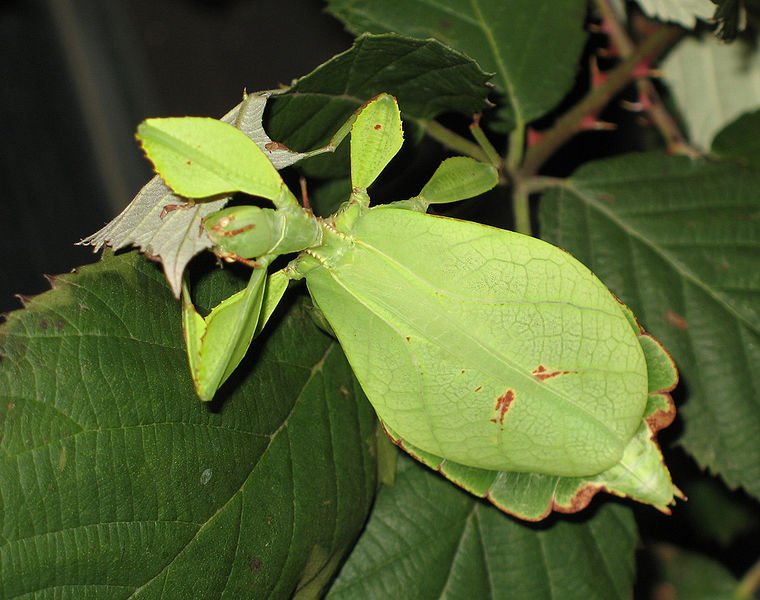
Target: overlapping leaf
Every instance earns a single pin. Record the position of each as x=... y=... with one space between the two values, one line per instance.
x=678 y=241
x=427 y=539
x=712 y=83
x=532 y=47
x=696 y=577
x=426 y=77
x=116 y=482
x=166 y=227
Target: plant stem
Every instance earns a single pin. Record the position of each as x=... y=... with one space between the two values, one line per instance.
x=516 y=147
x=750 y=583
x=485 y=143
x=569 y=123
x=453 y=140
x=521 y=210
x=674 y=139
x=533 y=185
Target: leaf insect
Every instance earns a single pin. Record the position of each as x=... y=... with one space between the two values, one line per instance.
x=493 y=357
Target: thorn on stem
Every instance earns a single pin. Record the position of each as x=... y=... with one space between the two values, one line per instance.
x=533 y=137
x=590 y=123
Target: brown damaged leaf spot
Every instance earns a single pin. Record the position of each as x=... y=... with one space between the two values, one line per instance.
x=272 y=146
x=378 y=127
x=542 y=373
x=662 y=419
x=477 y=389
x=676 y=320
x=503 y=403
x=171 y=208
x=580 y=500
x=255 y=564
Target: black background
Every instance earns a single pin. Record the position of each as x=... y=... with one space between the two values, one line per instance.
x=77 y=76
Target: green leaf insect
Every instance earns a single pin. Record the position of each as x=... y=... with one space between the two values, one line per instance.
x=493 y=357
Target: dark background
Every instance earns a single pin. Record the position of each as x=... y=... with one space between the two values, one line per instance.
x=77 y=76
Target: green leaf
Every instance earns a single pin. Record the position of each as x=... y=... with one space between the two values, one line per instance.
x=692 y=576
x=458 y=178
x=716 y=515
x=426 y=78
x=200 y=157
x=712 y=83
x=166 y=227
x=376 y=137
x=117 y=482
x=677 y=240
x=533 y=47
x=427 y=539
x=740 y=140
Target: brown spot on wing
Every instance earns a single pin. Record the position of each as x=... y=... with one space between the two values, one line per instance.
x=503 y=403
x=542 y=373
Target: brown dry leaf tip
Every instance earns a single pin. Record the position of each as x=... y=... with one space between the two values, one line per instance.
x=580 y=500
x=542 y=373
x=676 y=320
x=503 y=403
x=661 y=419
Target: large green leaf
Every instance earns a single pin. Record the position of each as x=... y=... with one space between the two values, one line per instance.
x=116 y=482
x=532 y=47
x=690 y=576
x=678 y=241
x=428 y=539
x=426 y=77
x=712 y=83
x=740 y=140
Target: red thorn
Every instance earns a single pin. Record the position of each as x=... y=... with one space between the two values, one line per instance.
x=643 y=70
x=533 y=137
x=589 y=123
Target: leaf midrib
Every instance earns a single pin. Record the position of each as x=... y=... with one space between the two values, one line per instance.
x=316 y=369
